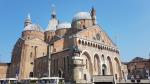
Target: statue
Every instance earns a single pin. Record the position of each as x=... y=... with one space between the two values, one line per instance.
x=76 y=51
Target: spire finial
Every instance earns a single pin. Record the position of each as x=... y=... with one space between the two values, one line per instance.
x=53 y=11
x=29 y=17
x=27 y=20
x=93 y=15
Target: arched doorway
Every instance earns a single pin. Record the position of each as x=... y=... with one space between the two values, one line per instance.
x=60 y=73
x=104 y=70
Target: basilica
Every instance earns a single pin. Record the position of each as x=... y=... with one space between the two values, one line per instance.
x=79 y=52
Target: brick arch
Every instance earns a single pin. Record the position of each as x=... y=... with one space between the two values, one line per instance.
x=87 y=61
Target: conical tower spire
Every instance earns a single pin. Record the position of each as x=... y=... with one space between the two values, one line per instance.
x=93 y=15
x=28 y=20
x=53 y=22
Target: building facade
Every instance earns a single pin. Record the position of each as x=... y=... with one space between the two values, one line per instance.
x=139 y=66
x=76 y=51
x=4 y=70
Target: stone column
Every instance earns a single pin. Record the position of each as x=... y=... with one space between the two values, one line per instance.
x=77 y=70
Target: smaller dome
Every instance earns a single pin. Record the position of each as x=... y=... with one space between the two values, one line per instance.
x=82 y=15
x=64 y=25
x=33 y=27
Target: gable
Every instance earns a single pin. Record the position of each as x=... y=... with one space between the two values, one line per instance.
x=95 y=33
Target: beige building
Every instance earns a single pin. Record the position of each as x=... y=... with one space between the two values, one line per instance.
x=79 y=51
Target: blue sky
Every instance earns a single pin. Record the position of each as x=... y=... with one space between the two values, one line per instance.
x=126 y=21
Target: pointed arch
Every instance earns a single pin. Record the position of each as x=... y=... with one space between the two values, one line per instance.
x=87 y=61
x=97 y=68
x=117 y=68
x=102 y=58
x=109 y=63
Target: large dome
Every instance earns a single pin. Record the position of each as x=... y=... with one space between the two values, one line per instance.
x=64 y=25
x=33 y=27
x=82 y=15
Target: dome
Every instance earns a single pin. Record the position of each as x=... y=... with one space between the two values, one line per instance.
x=64 y=25
x=82 y=15
x=33 y=27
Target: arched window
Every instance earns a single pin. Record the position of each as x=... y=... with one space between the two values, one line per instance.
x=103 y=59
x=98 y=36
x=88 y=44
x=82 y=42
x=79 y=41
x=85 y=42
